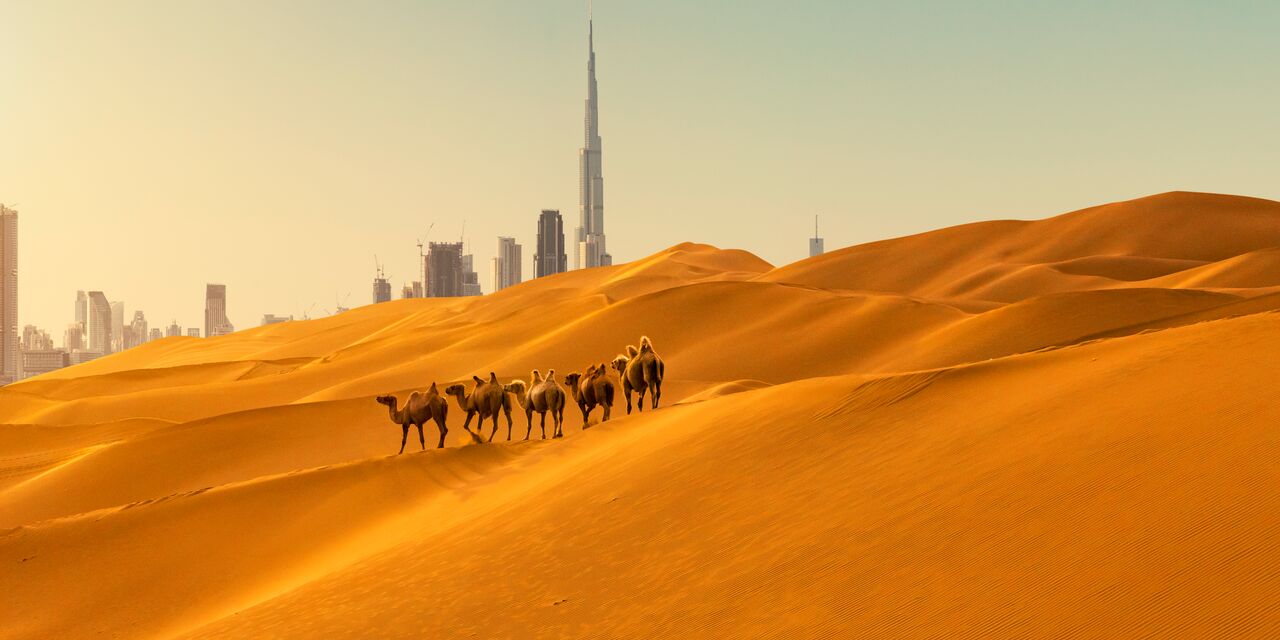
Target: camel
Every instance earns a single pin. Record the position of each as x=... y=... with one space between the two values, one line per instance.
x=591 y=389
x=640 y=370
x=487 y=399
x=417 y=411
x=542 y=396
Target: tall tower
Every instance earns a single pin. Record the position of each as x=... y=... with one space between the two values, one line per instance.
x=9 y=356
x=506 y=264
x=99 y=323
x=216 y=322
x=589 y=247
x=549 y=258
x=815 y=243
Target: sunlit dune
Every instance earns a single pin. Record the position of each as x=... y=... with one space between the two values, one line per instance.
x=1054 y=428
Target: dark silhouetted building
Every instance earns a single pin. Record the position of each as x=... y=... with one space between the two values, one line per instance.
x=550 y=257
x=444 y=270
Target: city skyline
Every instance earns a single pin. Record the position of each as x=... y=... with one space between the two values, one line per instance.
x=439 y=113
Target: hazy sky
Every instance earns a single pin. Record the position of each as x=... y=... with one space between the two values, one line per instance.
x=153 y=146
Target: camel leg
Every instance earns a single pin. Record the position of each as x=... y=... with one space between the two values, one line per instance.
x=607 y=410
x=640 y=400
x=443 y=431
x=467 y=425
x=586 y=415
x=507 y=410
x=626 y=391
x=422 y=439
x=657 y=393
x=404 y=436
x=528 y=416
x=543 y=423
x=495 y=426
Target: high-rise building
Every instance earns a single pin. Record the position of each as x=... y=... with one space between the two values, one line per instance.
x=34 y=339
x=506 y=264
x=73 y=337
x=815 y=243
x=10 y=358
x=137 y=330
x=470 y=279
x=82 y=309
x=174 y=330
x=444 y=270
x=117 y=327
x=272 y=318
x=193 y=332
x=589 y=250
x=99 y=323
x=407 y=292
x=215 y=311
x=381 y=289
x=418 y=290
x=550 y=258
x=155 y=334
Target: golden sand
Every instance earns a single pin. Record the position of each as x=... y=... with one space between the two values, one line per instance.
x=1059 y=428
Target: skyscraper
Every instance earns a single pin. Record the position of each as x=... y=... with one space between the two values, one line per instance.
x=589 y=249
x=73 y=337
x=444 y=270
x=215 y=311
x=99 y=323
x=138 y=330
x=82 y=309
x=506 y=264
x=174 y=330
x=381 y=289
x=815 y=243
x=470 y=279
x=10 y=359
x=117 y=327
x=550 y=258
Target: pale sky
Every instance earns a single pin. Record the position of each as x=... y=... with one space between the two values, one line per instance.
x=153 y=146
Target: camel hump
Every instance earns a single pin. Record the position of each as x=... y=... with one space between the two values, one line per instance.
x=433 y=386
x=493 y=377
x=632 y=351
x=477 y=379
x=645 y=344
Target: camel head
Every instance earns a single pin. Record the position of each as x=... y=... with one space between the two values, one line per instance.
x=571 y=379
x=390 y=401
x=455 y=390
x=619 y=364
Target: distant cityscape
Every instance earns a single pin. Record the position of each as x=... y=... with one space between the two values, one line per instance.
x=445 y=270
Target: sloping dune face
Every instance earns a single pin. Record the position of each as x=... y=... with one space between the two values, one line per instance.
x=1054 y=428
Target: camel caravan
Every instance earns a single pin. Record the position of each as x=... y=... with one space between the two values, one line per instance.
x=639 y=371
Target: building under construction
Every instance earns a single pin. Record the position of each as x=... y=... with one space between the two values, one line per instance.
x=444 y=270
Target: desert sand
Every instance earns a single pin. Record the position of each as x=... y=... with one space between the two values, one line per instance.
x=1065 y=427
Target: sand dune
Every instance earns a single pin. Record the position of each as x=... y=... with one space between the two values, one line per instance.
x=1054 y=428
